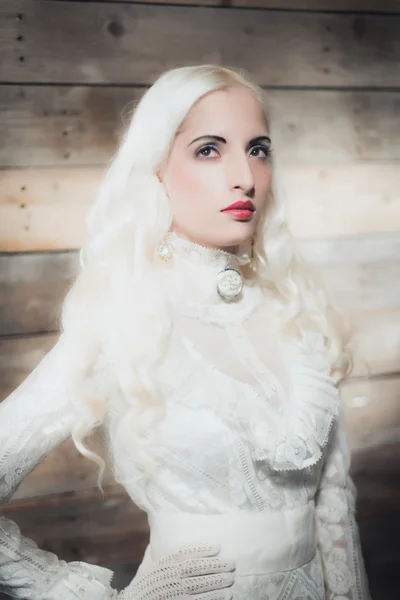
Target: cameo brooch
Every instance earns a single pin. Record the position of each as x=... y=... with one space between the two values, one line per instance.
x=229 y=283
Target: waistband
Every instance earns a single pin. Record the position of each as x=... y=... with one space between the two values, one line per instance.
x=259 y=543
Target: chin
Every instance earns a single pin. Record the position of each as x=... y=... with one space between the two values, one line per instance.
x=240 y=233
x=226 y=237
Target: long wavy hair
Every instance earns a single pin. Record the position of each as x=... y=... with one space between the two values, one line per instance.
x=115 y=315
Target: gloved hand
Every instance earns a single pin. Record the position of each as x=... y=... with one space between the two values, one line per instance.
x=192 y=573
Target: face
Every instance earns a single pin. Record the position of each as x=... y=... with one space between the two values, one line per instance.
x=219 y=157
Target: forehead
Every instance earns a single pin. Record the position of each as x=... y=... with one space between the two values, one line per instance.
x=233 y=109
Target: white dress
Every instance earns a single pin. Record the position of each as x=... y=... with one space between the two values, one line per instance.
x=252 y=452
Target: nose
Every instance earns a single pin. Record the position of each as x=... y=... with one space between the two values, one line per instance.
x=240 y=174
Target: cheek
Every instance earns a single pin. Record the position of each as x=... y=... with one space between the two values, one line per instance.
x=191 y=181
x=188 y=179
x=263 y=180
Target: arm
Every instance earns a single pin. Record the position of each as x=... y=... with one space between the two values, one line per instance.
x=35 y=419
x=338 y=539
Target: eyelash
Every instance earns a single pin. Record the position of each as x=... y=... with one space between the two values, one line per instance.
x=267 y=151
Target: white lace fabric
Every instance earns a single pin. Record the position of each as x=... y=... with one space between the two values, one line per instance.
x=338 y=537
x=35 y=419
x=253 y=426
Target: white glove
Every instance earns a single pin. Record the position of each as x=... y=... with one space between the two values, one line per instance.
x=190 y=572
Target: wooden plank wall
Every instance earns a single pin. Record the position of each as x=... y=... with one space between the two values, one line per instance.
x=69 y=75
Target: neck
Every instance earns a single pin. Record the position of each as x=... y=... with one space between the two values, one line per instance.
x=184 y=236
x=192 y=275
x=206 y=255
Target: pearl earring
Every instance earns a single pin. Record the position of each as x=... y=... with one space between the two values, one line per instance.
x=165 y=250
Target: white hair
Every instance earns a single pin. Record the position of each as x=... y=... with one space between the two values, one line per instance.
x=116 y=304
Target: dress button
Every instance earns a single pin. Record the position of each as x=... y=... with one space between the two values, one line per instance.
x=274 y=388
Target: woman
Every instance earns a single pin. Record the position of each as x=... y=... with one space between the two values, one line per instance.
x=196 y=337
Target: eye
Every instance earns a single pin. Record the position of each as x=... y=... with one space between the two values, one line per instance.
x=260 y=151
x=206 y=151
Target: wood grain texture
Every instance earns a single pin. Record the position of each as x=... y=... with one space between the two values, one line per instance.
x=45 y=209
x=19 y=356
x=373 y=412
x=133 y=43
x=391 y=6
x=62 y=125
x=376 y=342
x=341 y=200
x=376 y=347
x=75 y=126
x=376 y=473
x=32 y=288
x=84 y=526
x=65 y=470
x=360 y=273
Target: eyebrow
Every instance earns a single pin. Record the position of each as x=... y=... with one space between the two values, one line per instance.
x=218 y=138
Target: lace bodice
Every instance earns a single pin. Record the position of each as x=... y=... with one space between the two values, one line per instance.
x=253 y=424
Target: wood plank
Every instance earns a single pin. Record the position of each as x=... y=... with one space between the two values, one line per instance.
x=376 y=473
x=376 y=342
x=62 y=125
x=65 y=470
x=83 y=526
x=111 y=43
x=391 y=6
x=19 y=356
x=376 y=348
x=45 y=209
x=334 y=127
x=372 y=411
x=341 y=200
x=376 y=345
x=360 y=274
x=32 y=288
x=75 y=126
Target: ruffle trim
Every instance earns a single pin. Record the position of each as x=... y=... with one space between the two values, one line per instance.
x=289 y=435
x=43 y=572
x=93 y=581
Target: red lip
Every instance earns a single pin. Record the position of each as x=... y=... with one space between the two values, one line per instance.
x=248 y=205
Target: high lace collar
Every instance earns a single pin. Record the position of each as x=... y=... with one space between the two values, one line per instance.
x=213 y=258
x=192 y=282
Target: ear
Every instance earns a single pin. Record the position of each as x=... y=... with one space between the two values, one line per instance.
x=160 y=177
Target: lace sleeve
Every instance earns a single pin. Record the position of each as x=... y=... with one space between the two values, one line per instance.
x=34 y=419
x=338 y=538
